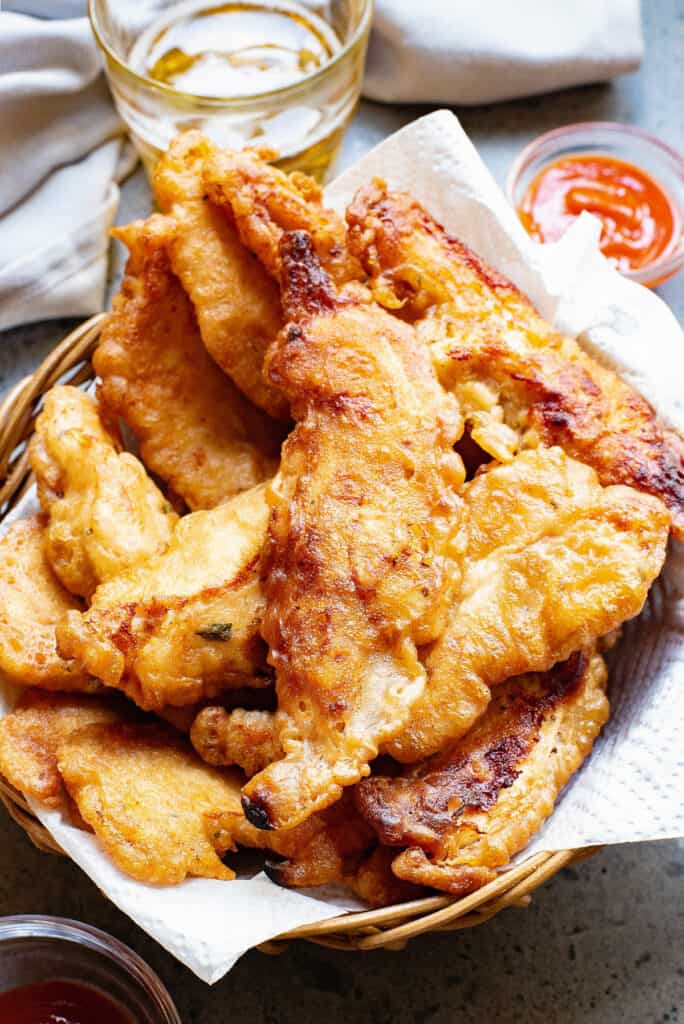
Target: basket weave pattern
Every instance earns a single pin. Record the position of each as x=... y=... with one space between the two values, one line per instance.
x=388 y=928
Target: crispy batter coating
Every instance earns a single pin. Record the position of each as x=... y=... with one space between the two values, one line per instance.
x=362 y=558
x=520 y=383
x=245 y=698
x=185 y=625
x=465 y=812
x=150 y=800
x=104 y=513
x=237 y=304
x=31 y=734
x=32 y=603
x=264 y=203
x=567 y=563
x=195 y=429
x=376 y=883
x=324 y=849
x=240 y=737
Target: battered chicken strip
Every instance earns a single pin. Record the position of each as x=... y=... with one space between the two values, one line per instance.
x=31 y=734
x=104 y=513
x=150 y=800
x=506 y=507
x=32 y=602
x=520 y=383
x=325 y=849
x=236 y=302
x=264 y=203
x=465 y=812
x=361 y=561
x=581 y=567
x=240 y=737
x=185 y=625
x=195 y=429
x=244 y=698
x=376 y=883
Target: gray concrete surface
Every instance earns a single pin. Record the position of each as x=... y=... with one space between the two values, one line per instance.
x=602 y=942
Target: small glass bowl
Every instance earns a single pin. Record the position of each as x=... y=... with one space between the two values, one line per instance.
x=624 y=142
x=34 y=949
x=304 y=121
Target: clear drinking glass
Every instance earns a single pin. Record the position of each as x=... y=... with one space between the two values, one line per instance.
x=304 y=120
x=35 y=949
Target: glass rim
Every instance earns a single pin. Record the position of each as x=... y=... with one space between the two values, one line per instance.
x=64 y=929
x=671 y=261
x=234 y=101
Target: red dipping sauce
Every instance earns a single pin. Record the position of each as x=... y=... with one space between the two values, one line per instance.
x=640 y=222
x=60 y=1001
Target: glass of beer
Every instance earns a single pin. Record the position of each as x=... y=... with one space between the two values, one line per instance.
x=285 y=74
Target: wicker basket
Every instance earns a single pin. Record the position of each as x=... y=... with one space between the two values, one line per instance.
x=389 y=928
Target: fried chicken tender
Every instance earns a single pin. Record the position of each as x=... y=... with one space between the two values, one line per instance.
x=362 y=557
x=465 y=812
x=325 y=849
x=32 y=603
x=246 y=698
x=150 y=800
x=264 y=203
x=240 y=737
x=236 y=302
x=195 y=429
x=519 y=383
x=31 y=734
x=506 y=508
x=552 y=565
x=104 y=513
x=376 y=883
x=183 y=626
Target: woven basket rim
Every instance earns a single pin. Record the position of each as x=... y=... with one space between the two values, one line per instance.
x=386 y=928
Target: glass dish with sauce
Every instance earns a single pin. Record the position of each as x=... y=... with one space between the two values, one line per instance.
x=53 y=969
x=630 y=180
x=285 y=74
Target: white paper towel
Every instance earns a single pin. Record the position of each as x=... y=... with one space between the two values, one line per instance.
x=631 y=787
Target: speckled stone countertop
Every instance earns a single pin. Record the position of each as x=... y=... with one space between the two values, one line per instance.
x=602 y=942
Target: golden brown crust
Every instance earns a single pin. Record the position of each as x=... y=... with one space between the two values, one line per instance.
x=31 y=734
x=237 y=304
x=105 y=514
x=466 y=811
x=376 y=883
x=324 y=849
x=517 y=611
x=265 y=203
x=195 y=429
x=362 y=554
x=245 y=698
x=240 y=737
x=150 y=801
x=503 y=362
x=32 y=603
x=185 y=625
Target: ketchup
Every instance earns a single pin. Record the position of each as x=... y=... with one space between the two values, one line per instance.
x=639 y=221
x=60 y=1001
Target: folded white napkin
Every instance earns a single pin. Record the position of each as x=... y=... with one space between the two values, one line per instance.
x=482 y=51
x=61 y=153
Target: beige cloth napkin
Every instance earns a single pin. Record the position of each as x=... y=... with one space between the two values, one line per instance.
x=482 y=51
x=62 y=153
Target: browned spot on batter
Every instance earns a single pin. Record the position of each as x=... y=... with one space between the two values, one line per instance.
x=404 y=813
